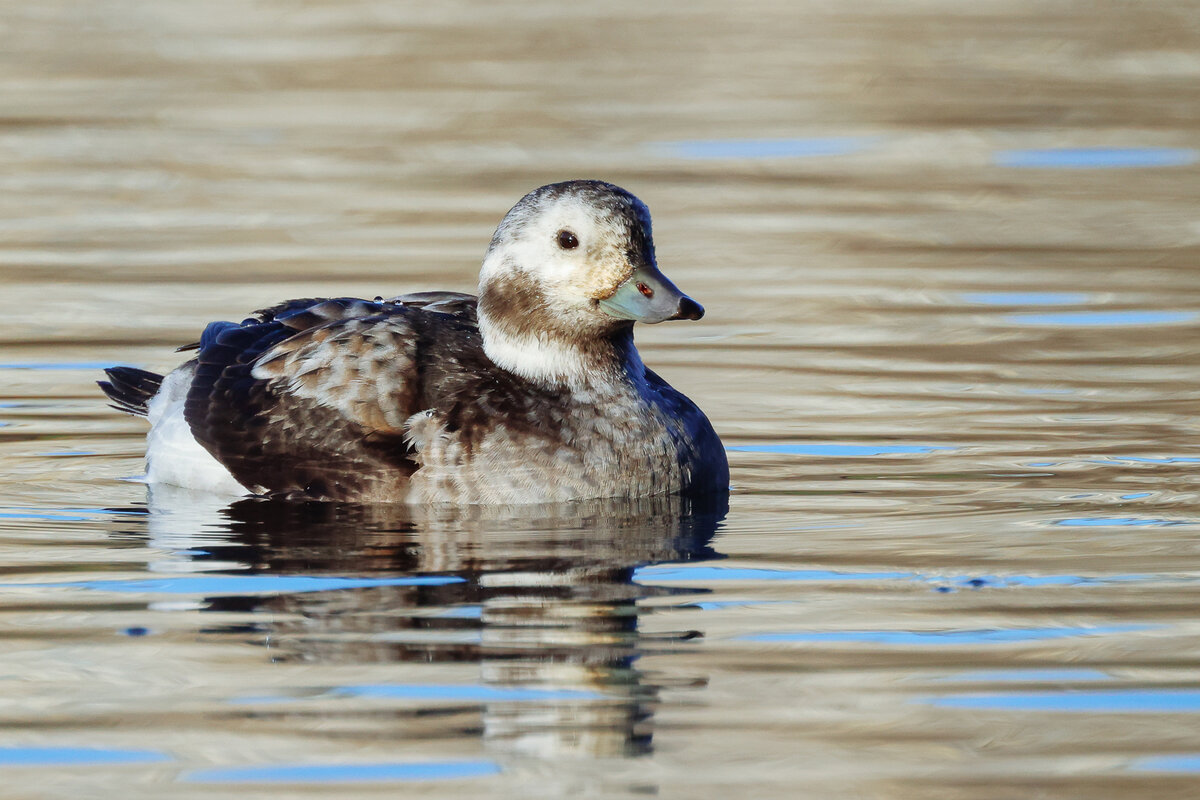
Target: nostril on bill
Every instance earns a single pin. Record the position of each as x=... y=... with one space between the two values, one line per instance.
x=689 y=309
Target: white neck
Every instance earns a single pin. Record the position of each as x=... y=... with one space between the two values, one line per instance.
x=537 y=359
x=549 y=361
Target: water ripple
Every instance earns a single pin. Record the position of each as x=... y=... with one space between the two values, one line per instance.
x=437 y=692
x=1026 y=298
x=1028 y=675
x=954 y=637
x=708 y=573
x=61 y=365
x=238 y=585
x=839 y=449
x=767 y=148
x=347 y=773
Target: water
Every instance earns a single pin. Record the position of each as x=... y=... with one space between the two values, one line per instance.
x=949 y=254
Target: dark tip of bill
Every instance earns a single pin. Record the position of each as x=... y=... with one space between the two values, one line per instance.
x=689 y=309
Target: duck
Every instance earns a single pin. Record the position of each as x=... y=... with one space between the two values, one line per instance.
x=531 y=391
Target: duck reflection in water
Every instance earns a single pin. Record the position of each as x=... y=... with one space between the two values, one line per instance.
x=543 y=598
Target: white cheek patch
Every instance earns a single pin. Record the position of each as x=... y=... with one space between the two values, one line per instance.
x=589 y=271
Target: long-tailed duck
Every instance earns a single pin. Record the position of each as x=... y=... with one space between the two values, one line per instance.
x=533 y=392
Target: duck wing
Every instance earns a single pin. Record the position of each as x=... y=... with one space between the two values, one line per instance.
x=310 y=397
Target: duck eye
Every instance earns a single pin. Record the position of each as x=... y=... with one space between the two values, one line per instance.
x=567 y=240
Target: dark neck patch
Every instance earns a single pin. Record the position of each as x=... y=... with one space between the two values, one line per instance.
x=515 y=305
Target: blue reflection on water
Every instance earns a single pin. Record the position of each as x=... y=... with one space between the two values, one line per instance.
x=982 y=636
x=1026 y=298
x=346 y=773
x=238 y=584
x=838 y=449
x=461 y=612
x=1124 y=701
x=1097 y=157
x=768 y=148
x=1148 y=460
x=66 y=756
x=1179 y=763
x=1105 y=318
x=1129 y=522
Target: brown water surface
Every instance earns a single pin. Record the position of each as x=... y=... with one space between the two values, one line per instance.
x=949 y=253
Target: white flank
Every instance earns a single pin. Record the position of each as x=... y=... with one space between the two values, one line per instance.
x=173 y=455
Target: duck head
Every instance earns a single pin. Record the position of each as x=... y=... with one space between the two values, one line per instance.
x=569 y=270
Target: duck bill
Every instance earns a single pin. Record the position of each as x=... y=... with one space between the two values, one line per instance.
x=649 y=296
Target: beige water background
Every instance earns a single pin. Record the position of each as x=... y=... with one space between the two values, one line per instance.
x=962 y=554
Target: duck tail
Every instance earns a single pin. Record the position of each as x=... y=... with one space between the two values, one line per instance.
x=131 y=389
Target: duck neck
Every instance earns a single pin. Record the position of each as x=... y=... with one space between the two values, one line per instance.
x=551 y=361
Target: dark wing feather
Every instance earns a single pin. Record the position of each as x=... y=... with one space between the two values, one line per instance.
x=455 y=304
x=131 y=389
x=311 y=397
